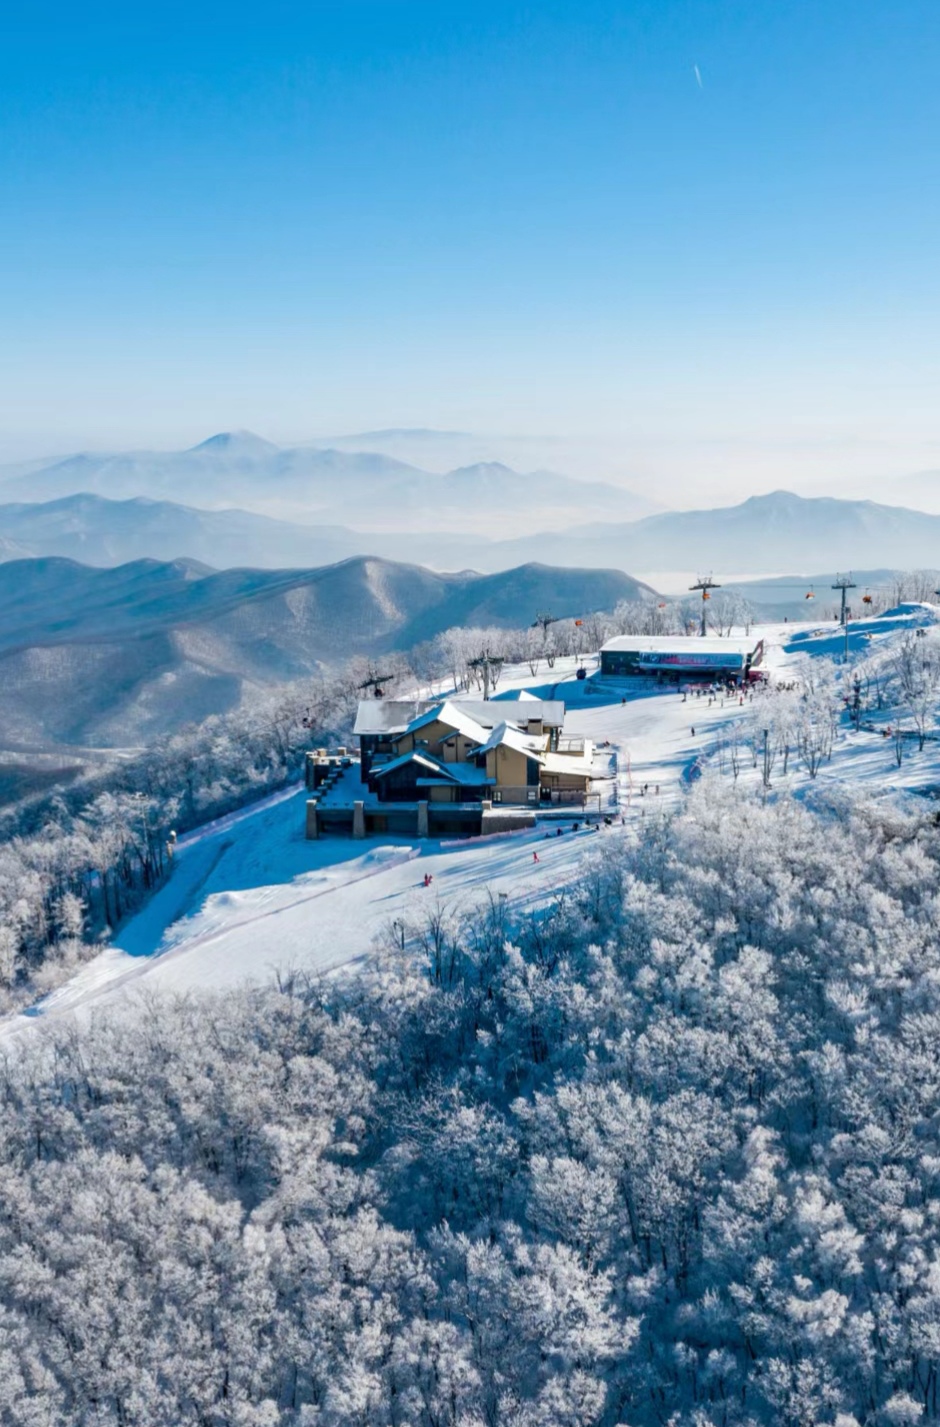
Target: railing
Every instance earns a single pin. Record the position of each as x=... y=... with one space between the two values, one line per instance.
x=520 y=796
x=543 y=797
x=570 y=798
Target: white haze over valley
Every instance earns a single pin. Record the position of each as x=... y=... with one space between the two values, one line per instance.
x=671 y=470
x=238 y=499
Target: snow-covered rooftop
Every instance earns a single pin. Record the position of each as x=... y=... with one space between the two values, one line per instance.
x=582 y=763
x=436 y=770
x=390 y=716
x=679 y=644
x=507 y=735
x=494 y=711
x=453 y=715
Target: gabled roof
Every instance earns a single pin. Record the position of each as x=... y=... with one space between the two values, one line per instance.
x=435 y=769
x=453 y=716
x=507 y=735
x=393 y=716
x=415 y=755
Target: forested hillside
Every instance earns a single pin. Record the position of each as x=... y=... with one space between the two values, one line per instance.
x=118 y=657
x=666 y=1155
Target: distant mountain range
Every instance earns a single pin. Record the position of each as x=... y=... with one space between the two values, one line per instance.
x=771 y=533
x=766 y=533
x=113 y=657
x=99 y=531
x=369 y=490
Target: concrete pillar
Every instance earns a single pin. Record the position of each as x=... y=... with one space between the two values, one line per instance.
x=423 y=820
x=313 y=823
x=359 y=819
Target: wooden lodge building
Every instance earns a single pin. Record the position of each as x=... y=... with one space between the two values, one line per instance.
x=449 y=768
x=470 y=750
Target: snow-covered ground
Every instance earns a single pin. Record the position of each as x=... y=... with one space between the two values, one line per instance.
x=250 y=897
x=865 y=758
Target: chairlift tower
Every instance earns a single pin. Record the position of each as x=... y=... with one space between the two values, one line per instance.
x=543 y=621
x=705 y=584
x=844 y=583
x=485 y=661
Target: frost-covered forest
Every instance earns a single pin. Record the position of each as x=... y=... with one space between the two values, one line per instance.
x=669 y=1154
x=75 y=862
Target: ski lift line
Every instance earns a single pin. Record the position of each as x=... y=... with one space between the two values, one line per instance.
x=770 y=583
x=796 y=585
x=375 y=682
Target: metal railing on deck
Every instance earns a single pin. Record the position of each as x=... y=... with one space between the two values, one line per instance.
x=544 y=797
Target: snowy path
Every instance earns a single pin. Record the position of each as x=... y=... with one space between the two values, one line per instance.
x=241 y=907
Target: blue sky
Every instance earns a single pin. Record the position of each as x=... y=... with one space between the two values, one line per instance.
x=313 y=218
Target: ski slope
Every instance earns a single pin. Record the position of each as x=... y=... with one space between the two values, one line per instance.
x=250 y=898
x=249 y=902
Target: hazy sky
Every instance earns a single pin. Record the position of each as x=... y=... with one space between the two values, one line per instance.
x=697 y=241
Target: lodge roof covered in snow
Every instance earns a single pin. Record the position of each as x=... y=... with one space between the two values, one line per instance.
x=434 y=770
x=389 y=715
x=679 y=644
x=385 y=717
x=507 y=735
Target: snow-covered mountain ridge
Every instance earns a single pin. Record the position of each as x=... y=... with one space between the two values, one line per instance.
x=115 y=656
x=309 y=483
x=438 y=527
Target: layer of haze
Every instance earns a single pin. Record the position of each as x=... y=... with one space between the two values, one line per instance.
x=690 y=246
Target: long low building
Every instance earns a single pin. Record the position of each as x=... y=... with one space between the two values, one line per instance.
x=676 y=657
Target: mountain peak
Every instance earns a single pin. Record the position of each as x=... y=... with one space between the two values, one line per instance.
x=775 y=498
x=236 y=443
x=484 y=468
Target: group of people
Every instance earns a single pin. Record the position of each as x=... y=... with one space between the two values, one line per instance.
x=720 y=692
